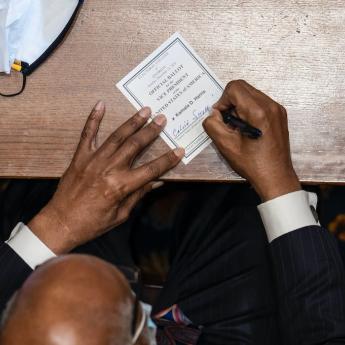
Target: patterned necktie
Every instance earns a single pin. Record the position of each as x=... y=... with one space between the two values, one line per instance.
x=174 y=328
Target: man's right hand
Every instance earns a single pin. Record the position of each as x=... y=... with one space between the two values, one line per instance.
x=101 y=186
x=265 y=162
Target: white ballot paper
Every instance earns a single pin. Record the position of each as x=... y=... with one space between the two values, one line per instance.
x=176 y=82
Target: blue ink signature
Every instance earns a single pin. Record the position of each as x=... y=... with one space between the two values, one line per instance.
x=180 y=128
x=197 y=114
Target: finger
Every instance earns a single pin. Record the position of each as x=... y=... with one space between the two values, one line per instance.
x=240 y=94
x=266 y=101
x=225 y=138
x=153 y=170
x=131 y=201
x=136 y=143
x=118 y=137
x=88 y=138
x=258 y=98
x=249 y=102
x=235 y=93
x=257 y=93
x=261 y=107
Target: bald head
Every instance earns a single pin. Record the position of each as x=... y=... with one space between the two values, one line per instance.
x=71 y=300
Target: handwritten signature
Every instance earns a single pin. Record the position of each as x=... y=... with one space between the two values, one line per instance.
x=197 y=114
x=180 y=128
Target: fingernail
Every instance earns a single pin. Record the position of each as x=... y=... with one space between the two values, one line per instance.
x=99 y=106
x=145 y=112
x=158 y=184
x=160 y=120
x=179 y=152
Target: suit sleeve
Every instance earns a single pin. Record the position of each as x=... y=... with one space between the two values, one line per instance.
x=310 y=282
x=13 y=272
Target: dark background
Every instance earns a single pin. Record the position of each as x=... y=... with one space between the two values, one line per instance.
x=152 y=221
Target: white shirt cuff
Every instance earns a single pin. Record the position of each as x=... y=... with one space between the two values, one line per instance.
x=288 y=212
x=28 y=246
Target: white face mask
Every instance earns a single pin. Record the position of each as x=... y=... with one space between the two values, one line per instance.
x=146 y=321
x=30 y=29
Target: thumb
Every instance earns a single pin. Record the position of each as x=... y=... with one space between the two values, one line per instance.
x=225 y=138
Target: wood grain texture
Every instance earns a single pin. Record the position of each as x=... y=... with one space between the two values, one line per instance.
x=291 y=49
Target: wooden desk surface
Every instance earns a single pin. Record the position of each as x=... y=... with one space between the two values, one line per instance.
x=291 y=49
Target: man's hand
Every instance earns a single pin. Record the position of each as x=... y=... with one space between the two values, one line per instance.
x=266 y=162
x=100 y=187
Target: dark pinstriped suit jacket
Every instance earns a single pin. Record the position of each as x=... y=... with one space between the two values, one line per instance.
x=309 y=278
